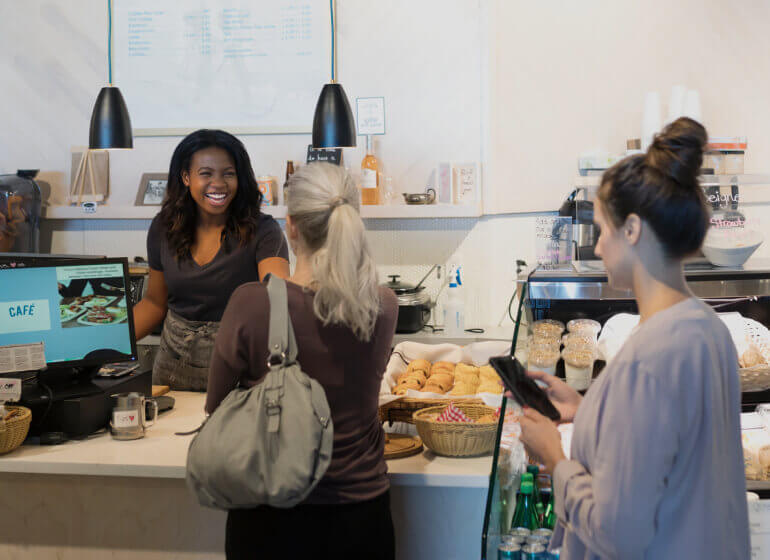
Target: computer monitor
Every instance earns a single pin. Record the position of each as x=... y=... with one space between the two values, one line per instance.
x=77 y=308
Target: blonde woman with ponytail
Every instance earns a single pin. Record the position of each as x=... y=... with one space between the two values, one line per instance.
x=344 y=324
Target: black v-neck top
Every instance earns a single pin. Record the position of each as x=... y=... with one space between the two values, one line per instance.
x=200 y=293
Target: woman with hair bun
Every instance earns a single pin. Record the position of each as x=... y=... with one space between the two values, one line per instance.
x=656 y=468
x=344 y=325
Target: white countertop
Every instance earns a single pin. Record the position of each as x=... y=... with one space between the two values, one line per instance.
x=162 y=454
x=424 y=337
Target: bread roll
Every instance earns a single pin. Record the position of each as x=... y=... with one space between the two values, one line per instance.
x=486 y=419
x=461 y=388
x=443 y=378
x=442 y=367
x=751 y=357
x=465 y=368
x=423 y=365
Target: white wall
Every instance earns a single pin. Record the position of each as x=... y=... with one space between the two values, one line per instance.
x=522 y=86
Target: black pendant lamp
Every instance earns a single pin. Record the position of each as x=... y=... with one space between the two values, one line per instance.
x=110 y=124
x=333 y=124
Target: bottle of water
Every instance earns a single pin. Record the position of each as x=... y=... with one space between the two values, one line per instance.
x=454 y=306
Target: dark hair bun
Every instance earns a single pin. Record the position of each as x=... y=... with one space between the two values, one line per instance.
x=677 y=152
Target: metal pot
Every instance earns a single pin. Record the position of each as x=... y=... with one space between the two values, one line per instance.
x=413 y=305
x=428 y=197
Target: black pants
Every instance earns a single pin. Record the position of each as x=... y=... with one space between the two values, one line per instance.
x=339 y=532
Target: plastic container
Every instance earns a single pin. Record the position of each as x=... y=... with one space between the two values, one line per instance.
x=579 y=367
x=543 y=357
x=584 y=326
x=547 y=329
x=579 y=339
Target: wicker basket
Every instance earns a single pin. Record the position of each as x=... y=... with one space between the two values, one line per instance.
x=457 y=439
x=13 y=430
x=402 y=410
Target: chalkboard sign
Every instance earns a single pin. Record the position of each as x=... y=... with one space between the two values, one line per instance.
x=331 y=155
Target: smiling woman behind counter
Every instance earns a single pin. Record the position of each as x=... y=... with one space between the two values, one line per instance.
x=209 y=238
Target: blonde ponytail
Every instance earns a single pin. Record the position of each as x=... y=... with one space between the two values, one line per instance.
x=323 y=203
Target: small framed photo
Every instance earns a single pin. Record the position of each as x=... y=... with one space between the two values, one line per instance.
x=152 y=189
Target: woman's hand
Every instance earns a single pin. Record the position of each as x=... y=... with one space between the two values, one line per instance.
x=541 y=438
x=564 y=398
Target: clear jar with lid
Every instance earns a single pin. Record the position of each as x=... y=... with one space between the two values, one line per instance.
x=547 y=329
x=543 y=356
x=584 y=326
x=579 y=366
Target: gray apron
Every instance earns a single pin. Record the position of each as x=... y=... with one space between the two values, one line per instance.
x=184 y=353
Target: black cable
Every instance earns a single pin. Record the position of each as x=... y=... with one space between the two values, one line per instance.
x=475 y=330
x=510 y=303
x=403 y=359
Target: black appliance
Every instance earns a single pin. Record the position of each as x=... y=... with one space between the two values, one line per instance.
x=413 y=305
x=20 y=204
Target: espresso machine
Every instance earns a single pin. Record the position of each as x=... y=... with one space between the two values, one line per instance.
x=20 y=204
x=584 y=232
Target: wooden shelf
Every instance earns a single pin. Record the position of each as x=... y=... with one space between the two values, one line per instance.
x=401 y=211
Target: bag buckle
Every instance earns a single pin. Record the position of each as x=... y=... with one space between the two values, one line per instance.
x=276 y=359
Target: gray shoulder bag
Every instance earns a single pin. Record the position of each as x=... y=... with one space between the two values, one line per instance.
x=269 y=444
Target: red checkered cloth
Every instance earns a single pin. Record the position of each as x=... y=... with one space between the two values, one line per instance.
x=452 y=414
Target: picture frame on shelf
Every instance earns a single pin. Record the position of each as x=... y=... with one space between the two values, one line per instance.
x=152 y=189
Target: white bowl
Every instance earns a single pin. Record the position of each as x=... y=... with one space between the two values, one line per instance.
x=731 y=249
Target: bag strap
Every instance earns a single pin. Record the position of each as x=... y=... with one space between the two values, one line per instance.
x=281 y=342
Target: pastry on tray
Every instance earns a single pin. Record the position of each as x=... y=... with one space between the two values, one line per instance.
x=469 y=378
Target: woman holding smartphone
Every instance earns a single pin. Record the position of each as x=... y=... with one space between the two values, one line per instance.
x=656 y=468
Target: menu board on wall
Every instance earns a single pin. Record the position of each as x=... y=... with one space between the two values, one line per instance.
x=249 y=66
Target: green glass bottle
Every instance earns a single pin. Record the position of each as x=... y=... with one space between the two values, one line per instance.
x=540 y=510
x=525 y=514
x=534 y=470
x=549 y=517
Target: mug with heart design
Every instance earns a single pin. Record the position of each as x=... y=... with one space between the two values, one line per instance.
x=129 y=416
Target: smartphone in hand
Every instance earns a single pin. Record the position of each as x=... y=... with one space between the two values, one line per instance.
x=525 y=391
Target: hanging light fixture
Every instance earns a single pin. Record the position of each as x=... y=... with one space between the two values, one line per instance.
x=110 y=129
x=333 y=124
x=110 y=124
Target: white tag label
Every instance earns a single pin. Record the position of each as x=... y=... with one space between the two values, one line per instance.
x=10 y=390
x=22 y=357
x=371 y=115
x=125 y=418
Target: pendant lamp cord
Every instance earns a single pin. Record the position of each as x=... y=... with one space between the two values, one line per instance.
x=109 y=39
x=331 y=9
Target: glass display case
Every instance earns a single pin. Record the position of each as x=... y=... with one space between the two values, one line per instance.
x=584 y=292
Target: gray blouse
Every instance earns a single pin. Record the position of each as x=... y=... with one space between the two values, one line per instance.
x=657 y=462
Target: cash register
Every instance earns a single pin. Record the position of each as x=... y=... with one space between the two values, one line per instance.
x=79 y=310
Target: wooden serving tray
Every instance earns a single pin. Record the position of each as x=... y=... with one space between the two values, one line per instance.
x=401 y=445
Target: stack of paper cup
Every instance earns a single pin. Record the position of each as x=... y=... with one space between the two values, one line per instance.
x=579 y=366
